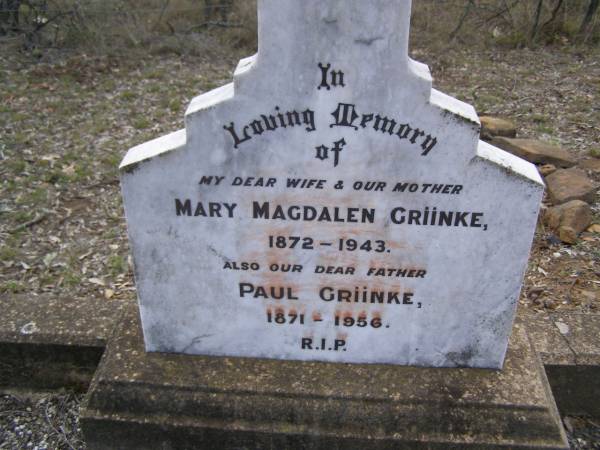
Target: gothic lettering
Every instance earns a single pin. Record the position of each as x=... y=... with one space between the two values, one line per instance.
x=271 y=122
x=346 y=115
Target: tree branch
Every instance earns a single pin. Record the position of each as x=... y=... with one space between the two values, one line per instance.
x=536 y=22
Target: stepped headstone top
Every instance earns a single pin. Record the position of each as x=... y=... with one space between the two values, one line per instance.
x=330 y=205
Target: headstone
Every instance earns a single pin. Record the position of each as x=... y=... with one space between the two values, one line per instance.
x=330 y=205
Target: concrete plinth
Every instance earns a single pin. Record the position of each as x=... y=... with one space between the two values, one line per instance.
x=140 y=400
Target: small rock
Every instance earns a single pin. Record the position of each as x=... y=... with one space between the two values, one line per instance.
x=547 y=169
x=568 y=424
x=592 y=165
x=537 y=152
x=97 y=281
x=495 y=126
x=535 y=292
x=562 y=327
x=589 y=295
x=568 y=235
x=550 y=304
x=568 y=220
x=570 y=184
x=594 y=228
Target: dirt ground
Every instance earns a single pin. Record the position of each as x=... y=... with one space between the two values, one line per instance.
x=40 y=421
x=66 y=124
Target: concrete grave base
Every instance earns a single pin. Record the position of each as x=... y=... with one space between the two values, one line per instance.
x=141 y=400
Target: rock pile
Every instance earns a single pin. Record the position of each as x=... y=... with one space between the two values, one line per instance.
x=570 y=190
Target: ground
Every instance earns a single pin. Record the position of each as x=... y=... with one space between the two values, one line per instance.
x=40 y=422
x=65 y=125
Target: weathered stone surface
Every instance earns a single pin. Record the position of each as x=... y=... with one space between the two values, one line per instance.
x=577 y=387
x=407 y=244
x=570 y=184
x=547 y=169
x=537 y=152
x=570 y=351
x=592 y=165
x=569 y=219
x=495 y=126
x=546 y=338
x=48 y=342
x=581 y=331
x=47 y=319
x=142 y=400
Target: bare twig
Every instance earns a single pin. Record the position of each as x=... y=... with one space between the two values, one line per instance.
x=30 y=223
x=103 y=182
x=497 y=14
x=554 y=15
x=536 y=22
x=589 y=14
x=571 y=286
x=508 y=9
x=214 y=24
x=463 y=17
x=60 y=432
x=162 y=13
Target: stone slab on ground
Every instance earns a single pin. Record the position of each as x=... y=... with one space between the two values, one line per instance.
x=496 y=126
x=546 y=338
x=48 y=342
x=142 y=400
x=582 y=332
x=570 y=350
x=577 y=387
x=534 y=151
x=570 y=184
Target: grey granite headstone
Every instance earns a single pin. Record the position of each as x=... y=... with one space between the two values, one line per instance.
x=330 y=205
